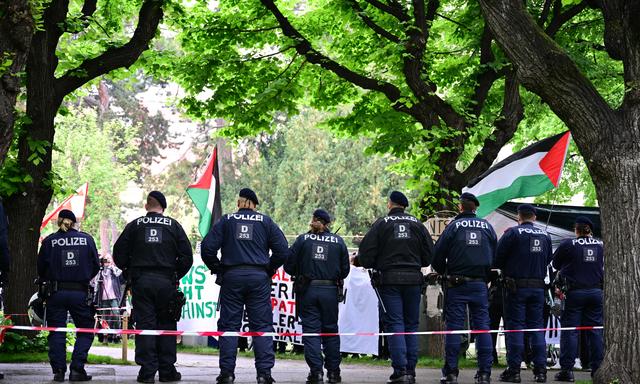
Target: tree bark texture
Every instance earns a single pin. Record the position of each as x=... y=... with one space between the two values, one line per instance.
x=608 y=139
x=45 y=94
x=16 y=30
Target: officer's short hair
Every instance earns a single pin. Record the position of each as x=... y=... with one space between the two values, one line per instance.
x=526 y=215
x=153 y=203
x=468 y=205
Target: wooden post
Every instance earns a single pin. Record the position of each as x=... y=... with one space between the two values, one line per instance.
x=125 y=337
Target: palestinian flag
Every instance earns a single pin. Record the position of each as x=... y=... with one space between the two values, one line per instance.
x=529 y=172
x=205 y=195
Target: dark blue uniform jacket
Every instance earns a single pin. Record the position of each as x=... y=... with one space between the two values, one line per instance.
x=154 y=243
x=68 y=257
x=524 y=252
x=245 y=238
x=396 y=241
x=4 y=242
x=318 y=256
x=466 y=247
x=581 y=261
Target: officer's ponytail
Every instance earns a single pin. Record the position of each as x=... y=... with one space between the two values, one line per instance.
x=583 y=229
x=65 y=224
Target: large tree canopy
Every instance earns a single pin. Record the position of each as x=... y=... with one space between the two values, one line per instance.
x=425 y=80
x=608 y=135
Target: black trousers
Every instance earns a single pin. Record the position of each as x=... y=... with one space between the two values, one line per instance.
x=151 y=294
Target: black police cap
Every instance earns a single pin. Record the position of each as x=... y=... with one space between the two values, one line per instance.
x=399 y=198
x=248 y=194
x=584 y=220
x=471 y=197
x=526 y=208
x=159 y=197
x=67 y=214
x=322 y=215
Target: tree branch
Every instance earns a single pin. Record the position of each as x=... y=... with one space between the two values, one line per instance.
x=544 y=14
x=253 y=58
x=415 y=48
x=559 y=19
x=486 y=76
x=304 y=47
x=395 y=11
x=547 y=70
x=453 y=21
x=372 y=24
x=149 y=17
x=506 y=125
x=89 y=8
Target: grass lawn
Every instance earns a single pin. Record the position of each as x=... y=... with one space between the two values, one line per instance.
x=24 y=357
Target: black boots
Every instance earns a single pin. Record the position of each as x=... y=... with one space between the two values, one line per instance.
x=451 y=378
x=483 y=378
x=58 y=375
x=565 y=376
x=315 y=378
x=225 y=378
x=175 y=376
x=399 y=378
x=79 y=375
x=333 y=377
x=540 y=375
x=510 y=375
x=265 y=379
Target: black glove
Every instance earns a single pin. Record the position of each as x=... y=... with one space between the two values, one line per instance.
x=215 y=268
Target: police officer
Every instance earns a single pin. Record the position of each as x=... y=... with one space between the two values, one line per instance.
x=5 y=261
x=523 y=254
x=155 y=253
x=464 y=254
x=319 y=260
x=244 y=273
x=397 y=246
x=68 y=260
x=580 y=264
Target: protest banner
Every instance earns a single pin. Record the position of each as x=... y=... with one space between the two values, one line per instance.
x=201 y=293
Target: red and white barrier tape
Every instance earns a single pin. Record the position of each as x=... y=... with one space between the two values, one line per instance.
x=154 y=332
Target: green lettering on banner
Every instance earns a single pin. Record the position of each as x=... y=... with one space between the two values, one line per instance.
x=200 y=274
x=199 y=289
x=201 y=310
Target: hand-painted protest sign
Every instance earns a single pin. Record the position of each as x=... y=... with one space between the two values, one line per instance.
x=201 y=309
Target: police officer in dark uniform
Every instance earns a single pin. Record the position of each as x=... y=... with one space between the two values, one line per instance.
x=244 y=274
x=397 y=246
x=523 y=254
x=155 y=253
x=464 y=254
x=580 y=265
x=68 y=260
x=318 y=261
x=5 y=260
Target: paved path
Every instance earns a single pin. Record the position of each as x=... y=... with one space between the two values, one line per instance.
x=204 y=369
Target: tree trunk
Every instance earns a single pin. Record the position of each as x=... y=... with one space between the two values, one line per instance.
x=16 y=30
x=620 y=216
x=25 y=210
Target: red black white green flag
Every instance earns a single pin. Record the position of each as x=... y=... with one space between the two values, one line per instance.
x=529 y=172
x=205 y=194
